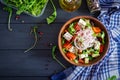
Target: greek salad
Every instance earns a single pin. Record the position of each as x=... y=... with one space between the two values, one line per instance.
x=82 y=41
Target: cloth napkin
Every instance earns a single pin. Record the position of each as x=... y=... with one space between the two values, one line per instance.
x=110 y=65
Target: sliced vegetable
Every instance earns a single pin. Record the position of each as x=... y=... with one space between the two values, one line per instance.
x=103 y=36
x=95 y=55
x=88 y=24
x=77 y=27
x=80 y=61
x=67 y=45
x=76 y=61
x=71 y=29
x=71 y=56
x=101 y=48
x=90 y=58
x=96 y=29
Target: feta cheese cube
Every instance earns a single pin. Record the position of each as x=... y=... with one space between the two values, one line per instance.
x=81 y=21
x=72 y=49
x=97 y=45
x=95 y=55
x=86 y=60
x=81 y=56
x=67 y=36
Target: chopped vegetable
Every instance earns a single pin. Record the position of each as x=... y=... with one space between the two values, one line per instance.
x=95 y=55
x=8 y=9
x=96 y=29
x=80 y=61
x=54 y=57
x=71 y=29
x=101 y=48
x=67 y=45
x=77 y=27
x=34 y=30
x=71 y=56
x=52 y=17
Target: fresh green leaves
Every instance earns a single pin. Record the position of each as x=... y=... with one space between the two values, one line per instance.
x=71 y=29
x=113 y=78
x=8 y=9
x=32 y=7
x=53 y=16
x=54 y=56
x=34 y=30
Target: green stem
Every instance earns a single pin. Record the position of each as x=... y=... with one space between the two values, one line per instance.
x=54 y=57
x=36 y=39
x=10 y=15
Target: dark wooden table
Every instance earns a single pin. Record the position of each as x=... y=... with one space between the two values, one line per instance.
x=36 y=64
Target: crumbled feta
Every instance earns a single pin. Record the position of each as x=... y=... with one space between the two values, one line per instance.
x=81 y=56
x=86 y=60
x=95 y=55
x=81 y=21
x=97 y=45
x=67 y=36
x=72 y=49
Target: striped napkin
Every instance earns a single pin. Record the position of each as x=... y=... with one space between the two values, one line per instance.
x=110 y=65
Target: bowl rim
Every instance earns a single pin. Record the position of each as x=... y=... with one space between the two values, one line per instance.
x=67 y=23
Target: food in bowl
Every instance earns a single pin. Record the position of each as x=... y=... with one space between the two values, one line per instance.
x=34 y=8
x=82 y=42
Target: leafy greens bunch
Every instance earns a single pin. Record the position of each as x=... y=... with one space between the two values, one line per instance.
x=32 y=7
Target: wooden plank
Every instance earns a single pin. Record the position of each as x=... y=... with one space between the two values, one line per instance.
x=24 y=78
x=62 y=16
x=20 y=37
x=33 y=63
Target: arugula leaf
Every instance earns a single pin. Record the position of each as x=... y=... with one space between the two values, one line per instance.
x=54 y=56
x=32 y=7
x=53 y=16
x=34 y=30
x=8 y=9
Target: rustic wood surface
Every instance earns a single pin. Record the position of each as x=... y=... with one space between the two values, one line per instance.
x=36 y=64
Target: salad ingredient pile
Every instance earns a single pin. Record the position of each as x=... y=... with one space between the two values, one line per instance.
x=82 y=41
x=33 y=7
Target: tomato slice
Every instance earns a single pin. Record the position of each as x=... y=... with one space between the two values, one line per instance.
x=67 y=45
x=101 y=48
x=81 y=61
x=71 y=56
x=77 y=27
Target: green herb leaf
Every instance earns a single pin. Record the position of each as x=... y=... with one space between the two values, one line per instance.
x=8 y=9
x=33 y=7
x=113 y=78
x=54 y=57
x=34 y=30
x=53 y=16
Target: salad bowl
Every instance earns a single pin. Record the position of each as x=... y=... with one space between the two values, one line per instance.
x=83 y=41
